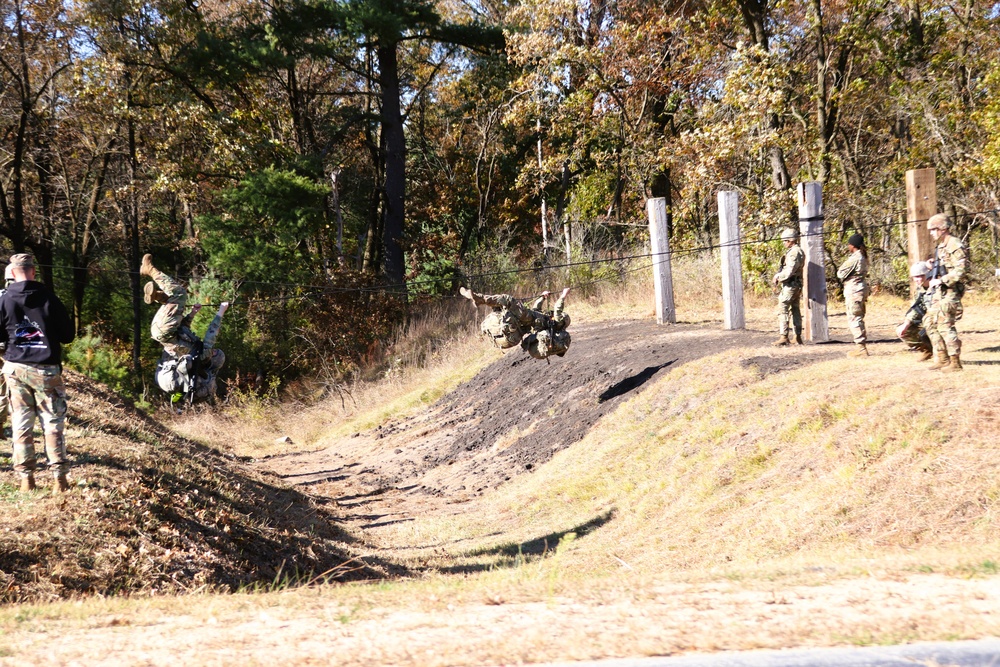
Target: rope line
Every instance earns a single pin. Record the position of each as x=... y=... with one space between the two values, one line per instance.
x=660 y=257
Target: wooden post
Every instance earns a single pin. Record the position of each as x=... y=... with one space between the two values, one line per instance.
x=921 y=204
x=816 y=327
x=732 y=267
x=663 y=283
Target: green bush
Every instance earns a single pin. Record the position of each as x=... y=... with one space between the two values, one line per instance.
x=89 y=355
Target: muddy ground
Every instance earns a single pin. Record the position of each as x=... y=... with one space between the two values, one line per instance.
x=511 y=418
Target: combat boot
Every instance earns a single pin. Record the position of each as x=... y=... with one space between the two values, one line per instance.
x=939 y=363
x=860 y=350
x=61 y=484
x=925 y=355
x=471 y=296
x=781 y=342
x=28 y=483
x=954 y=366
x=147 y=268
x=798 y=338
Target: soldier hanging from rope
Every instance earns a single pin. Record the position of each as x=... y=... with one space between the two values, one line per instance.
x=189 y=364
x=511 y=323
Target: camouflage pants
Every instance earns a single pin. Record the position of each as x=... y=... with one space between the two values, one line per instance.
x=37 y=391
x=3 y=401
x=856 y=316
x=940 y=323
x=916 y=338
x=789 y=312
x=167 y=320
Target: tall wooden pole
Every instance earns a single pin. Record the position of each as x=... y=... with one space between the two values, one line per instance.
x=663 y=283
x=816 y=326
x=921 y=204
x=732 y=267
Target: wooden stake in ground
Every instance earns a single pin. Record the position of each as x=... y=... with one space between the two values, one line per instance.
x=921 y=204
x=732 y=267
x=816 y=327
x=663 y=282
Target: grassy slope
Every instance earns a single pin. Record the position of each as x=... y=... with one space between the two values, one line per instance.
x=714 y=472
x=721 y=467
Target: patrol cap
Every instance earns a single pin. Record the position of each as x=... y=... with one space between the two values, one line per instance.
x=939 y=221
x=919 y=270
x=856 y=240
x=22 y=260
x=789 y=234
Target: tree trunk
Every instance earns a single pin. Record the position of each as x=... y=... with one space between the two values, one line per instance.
x=395 y=167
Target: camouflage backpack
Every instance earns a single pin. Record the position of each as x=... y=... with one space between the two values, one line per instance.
x=546 y=343
x=502 y=327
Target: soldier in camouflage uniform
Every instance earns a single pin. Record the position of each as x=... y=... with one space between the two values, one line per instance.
x=911 y=331
x=172 y=329
x=789 y=278
x=854 y=274
x=548 y=334
x=34 y=325
x=510 y=321
x=947 y=287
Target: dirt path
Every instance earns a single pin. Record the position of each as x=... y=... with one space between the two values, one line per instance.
x=640 y=618
x=509 y=419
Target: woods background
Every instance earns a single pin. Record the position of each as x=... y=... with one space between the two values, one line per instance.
x=328 y=163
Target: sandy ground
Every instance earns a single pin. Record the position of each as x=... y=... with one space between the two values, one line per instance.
x=648 y=619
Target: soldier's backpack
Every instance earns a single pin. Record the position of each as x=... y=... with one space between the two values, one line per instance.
x=547 y=342
x=178 y=374
x=503 y=328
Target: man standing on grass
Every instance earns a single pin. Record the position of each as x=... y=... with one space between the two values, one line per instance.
x=789 y=278
x=34 y=325
x=947 y=286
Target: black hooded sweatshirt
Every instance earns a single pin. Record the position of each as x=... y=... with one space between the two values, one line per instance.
x=34 y=324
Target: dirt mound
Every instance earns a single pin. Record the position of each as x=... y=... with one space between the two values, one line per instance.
x=153 y=513
x=510 y=418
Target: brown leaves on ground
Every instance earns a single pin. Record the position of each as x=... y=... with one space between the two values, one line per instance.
x=151 y=513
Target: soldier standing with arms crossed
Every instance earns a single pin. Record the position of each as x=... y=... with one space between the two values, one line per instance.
x=947 y=285
x=34 y=325
x=789 y=277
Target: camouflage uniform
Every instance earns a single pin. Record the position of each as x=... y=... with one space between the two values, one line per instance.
x=37 y=389
x=914 y=334
x=790 y=277
x=169 y=319
x=172 y=329
x=548 y=334
x=35 y=325
x=506 y=325
x=952 y=264
x=854 y=274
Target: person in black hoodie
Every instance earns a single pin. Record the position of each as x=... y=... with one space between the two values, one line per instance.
x=34 y=325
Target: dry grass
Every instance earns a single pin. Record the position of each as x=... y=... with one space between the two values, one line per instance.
x=726 y=506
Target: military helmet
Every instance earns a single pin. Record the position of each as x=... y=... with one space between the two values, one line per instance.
x=562 y=321
x=502 y=327
x=939 y=221
x=789 y=234
x=919 y=270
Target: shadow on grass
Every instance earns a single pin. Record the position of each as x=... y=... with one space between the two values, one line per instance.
x=514 y=554
x=632 y=382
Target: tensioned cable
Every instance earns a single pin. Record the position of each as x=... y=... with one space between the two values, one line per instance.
x=313 y=290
